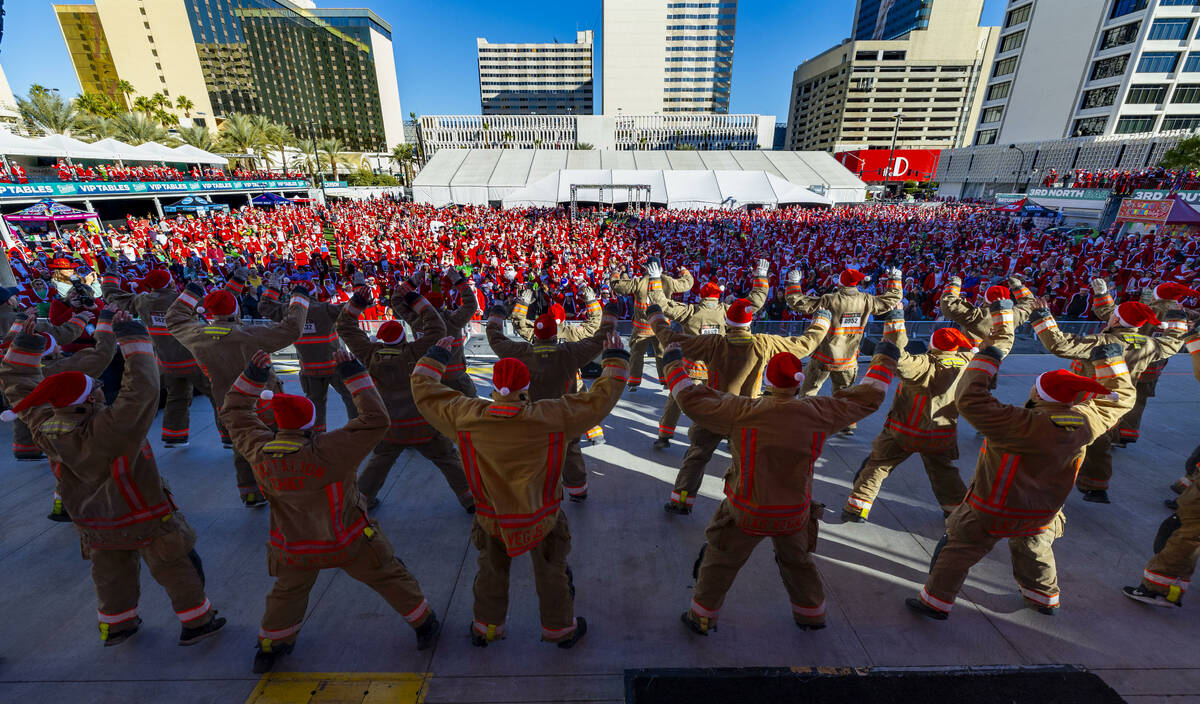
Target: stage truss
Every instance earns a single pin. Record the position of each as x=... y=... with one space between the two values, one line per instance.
x=638 y=195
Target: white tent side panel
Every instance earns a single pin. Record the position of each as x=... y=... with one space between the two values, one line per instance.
x=692 y=189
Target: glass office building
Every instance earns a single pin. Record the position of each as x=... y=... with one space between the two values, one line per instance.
x=876 y=20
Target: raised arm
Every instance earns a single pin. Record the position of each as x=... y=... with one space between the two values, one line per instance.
x=1113 y=373
x=759 y=285
x=595 y=314
x=694 y=346
x=71 y=330
x=93 y=360
x=892 y=295
x=468 y=305
x=127 y=421
x=1066 y=346
x=912 y=368
x=429 y=322
x=955 y=308
x=270 y=305
x=582 y=411
x=274 y=337
x=239 y=411
x=21 y=371
x=801 y=346
x=676 y=285
x=347 y=327
x=181 y=318
x=501 y=345
x=438 y=403
x=673 y=309
x=1193 y=347
x=114 y=297
x=1103 y=304
x=794 y=295
x=715 y=410
x=585 y=350
x=623 y=286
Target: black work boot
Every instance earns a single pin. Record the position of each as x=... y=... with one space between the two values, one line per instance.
x=192 y=636
x=58 y=513
x=264 y=660
x=925 y=610
x=678 y=508
x=427 y=632
x=580 y=631
x=111 y=639
x=701 y=629
x=1096 y=496
x=662 y=442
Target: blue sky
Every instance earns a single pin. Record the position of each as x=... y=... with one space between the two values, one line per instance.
x=434 y=44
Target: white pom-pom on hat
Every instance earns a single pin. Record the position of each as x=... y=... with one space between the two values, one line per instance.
x=974 y=350
x=199 y=309
x=798 y=376
x=504 y=391
x=8 y=416
x=267 y=395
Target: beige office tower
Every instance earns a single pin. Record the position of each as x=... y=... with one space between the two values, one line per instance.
x=328 y=73
x=663 y=56
x=536 y=79
x=931 y=75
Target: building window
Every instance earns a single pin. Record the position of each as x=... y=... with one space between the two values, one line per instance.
x=989 y=115
x=1192 y=64
x=1089 y=127
x=866 y=56
x=1099 y=98
x=1172 y=29
x=1145 y=95
x=895 y=55
x=1178 y=3
x=1110 y=67
x=1180 y=122
x=1125 y=7
x=998 y=91
x=1011 y=42
x=1120 y=36
x=986 y=137
x=1004 y=67
x=1135 y=125
x=1018 y=16
x=1186 y=93
x=1158 y=62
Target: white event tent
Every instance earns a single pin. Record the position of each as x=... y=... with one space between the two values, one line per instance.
x=109 y=149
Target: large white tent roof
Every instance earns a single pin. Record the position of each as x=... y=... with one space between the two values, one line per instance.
x=481 y=176
x=73 y=147
x=121 y=150
x=58 y=145
x=195 y=155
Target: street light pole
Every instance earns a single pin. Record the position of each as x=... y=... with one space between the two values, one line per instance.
x=892 y=156
x=312 y=133
x=1021 y=167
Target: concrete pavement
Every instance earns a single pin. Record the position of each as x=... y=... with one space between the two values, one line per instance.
x=632 y=566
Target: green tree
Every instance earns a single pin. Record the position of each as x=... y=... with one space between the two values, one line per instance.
x=404 y=154
x=280 y=137
x=364 y=177
x=198 y=137
x=586 y=146
x=144 y=104
x=135 y=128
x=126 y=89
x=95 y=104
x=39 y=89
x=332 y=153
x=45 y=112
x=185 y=104
x=242 y=134
x=1184 y=156
x=97 y=127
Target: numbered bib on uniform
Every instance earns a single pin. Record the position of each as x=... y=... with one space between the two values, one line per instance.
x=158 y=320
x=710 y=330
x=851 y=320
x=309 y=328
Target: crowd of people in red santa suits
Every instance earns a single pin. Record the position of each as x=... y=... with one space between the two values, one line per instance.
x=12 y=172
x=1124 y=182
x=376 y=241
x=116 y=172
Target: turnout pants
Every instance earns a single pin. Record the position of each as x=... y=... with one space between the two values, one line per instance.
x=316 y=388
x=375 y=565
x=1129 y=427
x=669 y=419
x=1191 y=472
x=551 y=577
x=440 y=451
x=176 y=420
x=968 y=541
x=637 y=357
x=1096 y=470
x=1169 y=572
x=728 y=547
x=115 y=575
x=817 y=372
x=574 y=472
x=890 y=449
x=704 y=443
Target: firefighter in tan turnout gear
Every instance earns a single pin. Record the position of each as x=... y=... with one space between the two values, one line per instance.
x=1140 y=352
x=849 y=307
x=224 y=345
x=109 y=481
x=318 y=518
x=314 y=349
x=514 y=449
x=775 y=441
x=390 y=360
x=1025 y=471
x=1191 y=474
x=923 y=419
x=180 y=371
x=735 y=363
x=977 y=320
x=643 y=334
x=705 y=318
x=554 y=368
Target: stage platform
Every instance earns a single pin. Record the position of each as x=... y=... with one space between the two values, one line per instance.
x=632 y=565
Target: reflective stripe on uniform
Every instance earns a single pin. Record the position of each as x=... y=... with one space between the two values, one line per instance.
x=113 y=619
x=193 y=614
x=934 y=602
x=1040 y=597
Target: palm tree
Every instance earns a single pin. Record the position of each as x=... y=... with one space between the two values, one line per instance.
x=97 y=127
x=586 y=146
x=126 y=89
x=279 y=136
x=241 y=133
x=90 y=104
x=143 y=105
x=38 y=89
x=305 y=162
x=508 y=137
x=331 y=150
x=403 y=155
x=135 y=128
x=198 y=137
x=45 y=112
x=185 y=104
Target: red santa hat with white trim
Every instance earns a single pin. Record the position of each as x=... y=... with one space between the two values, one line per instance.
x=951 y=340
x=852 y=277
x=740 y=314
x=58 y=390
x=784 y=371
x=510 y=376
x=390 y=333
x=1135 y=314
x=1171 y=291
x=546 y=326
x=291 y=412
x=1063 y=386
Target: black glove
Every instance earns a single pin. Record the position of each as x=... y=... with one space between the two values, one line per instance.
x=888 y=349
x=360 y=302
x=1002 y=304
x=616 y=354
x=130 y=328
x=107 y=314
x=497 y=310
x=672 y=355
x=411 y=298
x=1038 y=314
x=892 y=314
x=1103 y=352
x=195 y=289
x=653 y=310
x=441 y=354
x=300 y=291
x=258 y=375
x=350 y=368
x=994 y=352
